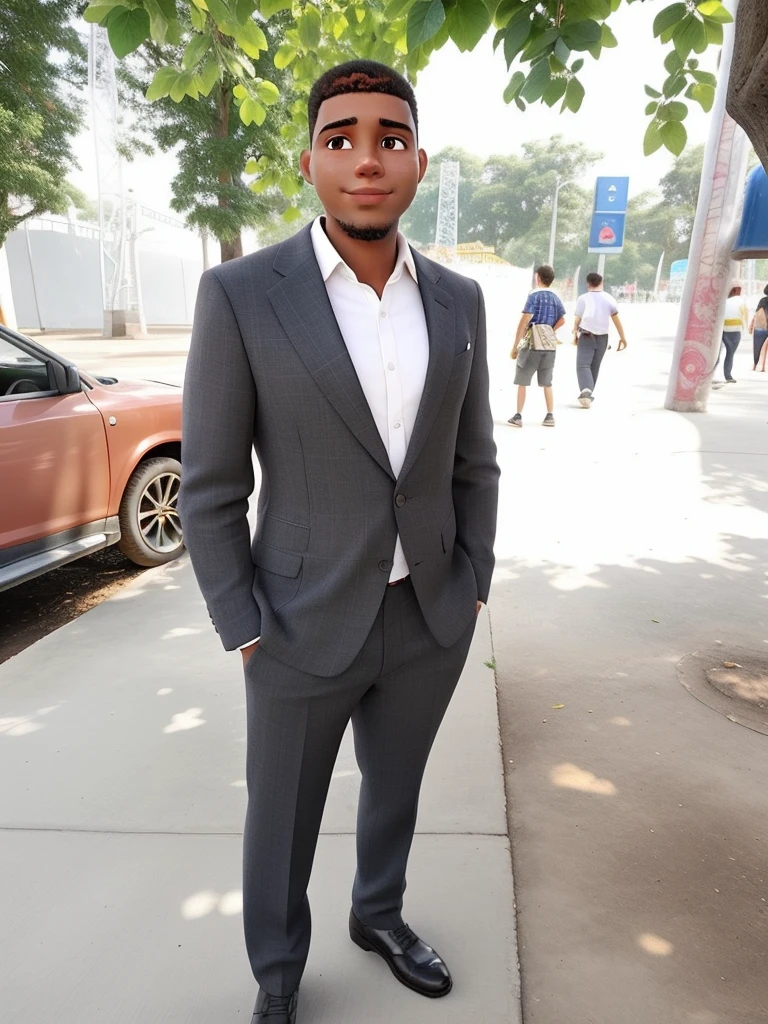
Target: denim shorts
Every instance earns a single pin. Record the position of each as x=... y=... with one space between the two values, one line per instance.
x=540 y=363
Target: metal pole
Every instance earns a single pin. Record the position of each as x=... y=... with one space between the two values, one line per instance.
x=601 y=264
x=32 y=276
x=658 y=275
x=553 y=229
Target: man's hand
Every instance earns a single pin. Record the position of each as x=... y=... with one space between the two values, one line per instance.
x=575 y=337
x=622 y=345
x=479 y=607
x=513 y=353
x=248 y=652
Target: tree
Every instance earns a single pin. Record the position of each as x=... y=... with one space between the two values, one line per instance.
x=213 y=144
x=42 y=66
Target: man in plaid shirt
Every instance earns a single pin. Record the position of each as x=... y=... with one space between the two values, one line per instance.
x=542 y=307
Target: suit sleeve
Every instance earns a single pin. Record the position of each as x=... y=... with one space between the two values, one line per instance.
x=217 y=471
x=475 y=470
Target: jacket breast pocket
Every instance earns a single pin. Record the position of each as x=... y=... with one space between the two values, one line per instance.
x=278 y=574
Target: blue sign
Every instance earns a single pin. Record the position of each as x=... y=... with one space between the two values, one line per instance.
x=678 y=270
x=607 y=233
x=611 y=195
x=752 y=243
x=609 y=215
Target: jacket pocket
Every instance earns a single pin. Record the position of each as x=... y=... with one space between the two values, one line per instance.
x=277 y=576
x=283 y=563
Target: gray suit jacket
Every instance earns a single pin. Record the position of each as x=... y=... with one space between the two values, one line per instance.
x=268 y=369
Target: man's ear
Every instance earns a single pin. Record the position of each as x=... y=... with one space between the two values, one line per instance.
x=423 y=164
x=304 y=159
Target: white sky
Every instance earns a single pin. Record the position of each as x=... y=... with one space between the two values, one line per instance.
x=460 y=103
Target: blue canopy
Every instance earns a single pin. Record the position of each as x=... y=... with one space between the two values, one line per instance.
x=752 y=241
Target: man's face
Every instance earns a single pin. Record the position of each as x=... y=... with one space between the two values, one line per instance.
x=364 y=161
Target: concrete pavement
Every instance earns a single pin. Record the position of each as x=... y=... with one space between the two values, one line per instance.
x=121 y=808
x=632 y=537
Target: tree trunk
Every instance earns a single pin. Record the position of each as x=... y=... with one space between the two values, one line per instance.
x=747 y=101
x=231 y=248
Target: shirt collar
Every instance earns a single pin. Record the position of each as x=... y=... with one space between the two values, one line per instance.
x=329 y=260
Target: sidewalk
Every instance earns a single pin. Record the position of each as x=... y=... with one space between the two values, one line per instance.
x=631 y=538
x=122 y=756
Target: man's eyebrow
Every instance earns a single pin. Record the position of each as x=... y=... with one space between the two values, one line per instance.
x=346 y=122
x=386 y=123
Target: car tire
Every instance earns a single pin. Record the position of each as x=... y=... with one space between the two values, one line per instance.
x=150 y=531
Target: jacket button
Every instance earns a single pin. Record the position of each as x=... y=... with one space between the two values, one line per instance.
x=385 y=566
x=400 y=500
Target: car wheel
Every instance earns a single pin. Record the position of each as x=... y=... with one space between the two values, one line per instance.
x=149 y=518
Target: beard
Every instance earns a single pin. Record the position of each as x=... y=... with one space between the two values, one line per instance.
x=366 y=234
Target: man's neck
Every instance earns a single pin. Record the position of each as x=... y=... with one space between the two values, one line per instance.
x=371 y=262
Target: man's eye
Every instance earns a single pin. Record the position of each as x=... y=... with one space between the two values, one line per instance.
x=392 y=142
x=338 y=142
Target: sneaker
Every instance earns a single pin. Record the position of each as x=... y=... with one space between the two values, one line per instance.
x=516 y=421
x=585 y=398
x=730 y=380
x=549 y=420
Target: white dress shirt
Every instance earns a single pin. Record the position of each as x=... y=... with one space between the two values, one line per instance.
x=388 y=344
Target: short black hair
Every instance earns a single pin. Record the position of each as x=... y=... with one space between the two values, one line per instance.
x=594 y=280
x=359 y=76
x=765 y=290
x=546 y=274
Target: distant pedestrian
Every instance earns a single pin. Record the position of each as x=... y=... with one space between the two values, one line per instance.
x=758 y=328
x=735 y=322
x=535 y=343
x=594 y=312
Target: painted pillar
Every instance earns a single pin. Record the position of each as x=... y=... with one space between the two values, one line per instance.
x=710 y=268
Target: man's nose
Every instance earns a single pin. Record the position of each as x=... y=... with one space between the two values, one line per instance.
x=369 y=165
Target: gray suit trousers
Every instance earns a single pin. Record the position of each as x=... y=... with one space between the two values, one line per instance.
x=396 y=692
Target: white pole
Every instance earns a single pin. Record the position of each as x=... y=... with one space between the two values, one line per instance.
x=7 y=309
x=658 y=276
x=718 y=213
x=601 y=264
x=553 y=229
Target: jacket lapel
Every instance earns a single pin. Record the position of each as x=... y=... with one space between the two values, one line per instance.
x=441 y=326
x=301 y=303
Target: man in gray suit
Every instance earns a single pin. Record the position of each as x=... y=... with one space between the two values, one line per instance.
x=356 y=369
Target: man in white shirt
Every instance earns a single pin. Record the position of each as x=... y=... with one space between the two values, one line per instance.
x=594 y=312
x=357 y=371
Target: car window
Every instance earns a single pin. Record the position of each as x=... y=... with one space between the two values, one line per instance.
x=21 y=373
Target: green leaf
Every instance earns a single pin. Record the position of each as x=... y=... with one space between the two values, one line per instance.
x=714 y=10
x=516 y=35
x=689 y=35
x=540 y=44
x=285 y=54
x=674 y=136
x=608 y=39
x=269 y=7
x=519 y=103
x=97 y=10
x=672 y=62
x=291 y=214
x=675 y=111
x=574 y=96
x=158 y=23
x=554 y=91
x=209 y=75
x=704 y=95
x=180 y=86
x=577 y=65
x=704 y=78
x=218 y=10
x=396 y=8
x=162 y=83
x=653 y=93
x=562 y=52
x=267 y=92
x=469 y=21
x=239 y=91
x=538 y=80
x=197 y=17
x=669 y=17
x=673 y=86
x=582 y=10
x=251 y=39
x=289 y=185
x=127 y=30
x=339 y=25
x=514 y=87
x=310 y=28
x=252 y=112
x=580 y=35
x=714 y=32
x=425 y=19
x=252 y=166
x=196 y=49
x=652 y=140
x=168 y=7
x=245 y=8
x=651 y=109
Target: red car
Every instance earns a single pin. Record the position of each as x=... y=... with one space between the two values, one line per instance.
x=85 y=462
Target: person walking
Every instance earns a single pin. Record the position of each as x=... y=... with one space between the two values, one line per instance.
x=735 y=322
x=594 y=312
x=543 y=308
x=758 y=328
x=356 y=370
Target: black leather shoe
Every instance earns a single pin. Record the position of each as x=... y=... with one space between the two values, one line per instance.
x=412 y=961
x=275 y=1009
